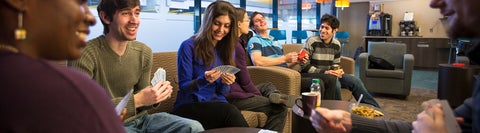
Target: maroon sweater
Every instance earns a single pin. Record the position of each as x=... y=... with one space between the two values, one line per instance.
x=39 y=96
x=243 y=86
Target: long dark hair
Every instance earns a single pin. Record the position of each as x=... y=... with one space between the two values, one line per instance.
x=240 y=14
x=204 y=47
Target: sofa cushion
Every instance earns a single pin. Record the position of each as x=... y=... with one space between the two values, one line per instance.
x=396 y=74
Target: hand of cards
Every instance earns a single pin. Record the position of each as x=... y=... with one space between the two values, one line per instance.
x=227 y=69
x=123 y=102
x=450 y=121
x=160 y=75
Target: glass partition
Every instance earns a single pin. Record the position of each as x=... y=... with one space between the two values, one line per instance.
x=167 y=23
x=164 y=24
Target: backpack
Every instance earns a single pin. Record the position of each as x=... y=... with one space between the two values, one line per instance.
x=379 y=63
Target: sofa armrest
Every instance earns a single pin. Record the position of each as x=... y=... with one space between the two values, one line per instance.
x=408 y=62
x=348 y=65
x=363 y=65
x=286 y=80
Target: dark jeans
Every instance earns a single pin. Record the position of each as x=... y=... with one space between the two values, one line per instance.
x=327 y=82
x=276 y=113
x=212 y=114
x=355 y=85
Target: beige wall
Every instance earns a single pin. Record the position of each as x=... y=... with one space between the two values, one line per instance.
x=424 y=16
x=353 y=20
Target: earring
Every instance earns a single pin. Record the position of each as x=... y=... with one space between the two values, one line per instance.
x=20 y=32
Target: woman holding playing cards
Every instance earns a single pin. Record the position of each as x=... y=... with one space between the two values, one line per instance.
x=202 y=88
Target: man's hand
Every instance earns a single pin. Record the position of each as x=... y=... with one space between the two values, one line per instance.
x=212 y=75
x=304 y=59
x=430 y=122
x=164 y=91
x=122 y=115
x=338 y=73
x=228 y=78
x=153 y=94
x=291 y=57
x=331 y=121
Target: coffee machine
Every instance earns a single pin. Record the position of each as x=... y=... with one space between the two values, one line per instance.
x=379 y=24
x=408 y=28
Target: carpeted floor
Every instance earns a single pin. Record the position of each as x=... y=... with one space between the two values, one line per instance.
x=405 y=109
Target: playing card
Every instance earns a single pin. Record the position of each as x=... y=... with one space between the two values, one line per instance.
x=450 y=121
x=233 y=70
x=220 y=68
x=227 y=69
x=160 y=75
x=302 y=53
x=217 y=68
x=123 y=102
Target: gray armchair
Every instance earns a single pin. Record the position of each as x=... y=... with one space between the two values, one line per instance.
x=398 y=81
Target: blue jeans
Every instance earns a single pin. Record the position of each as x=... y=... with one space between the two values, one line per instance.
x=163 y=123
x=355 y=85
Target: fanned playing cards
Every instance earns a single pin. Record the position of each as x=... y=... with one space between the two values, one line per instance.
x=160 y=75
x=123 y=102
x=227 y=69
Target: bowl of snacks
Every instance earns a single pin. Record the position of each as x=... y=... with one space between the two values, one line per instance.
x=367 y=111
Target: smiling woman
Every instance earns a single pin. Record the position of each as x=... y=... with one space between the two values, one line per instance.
x=62 y=99
x=203 y=89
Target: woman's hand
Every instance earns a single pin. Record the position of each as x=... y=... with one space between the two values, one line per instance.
x=212 y=75
x=228 y=78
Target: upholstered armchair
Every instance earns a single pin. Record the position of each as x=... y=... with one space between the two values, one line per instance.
x=286 y=80
x=398 y=81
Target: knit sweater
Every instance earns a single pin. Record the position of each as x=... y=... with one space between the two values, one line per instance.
x=243 y=86
x=117 y=74
x=322 y=55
